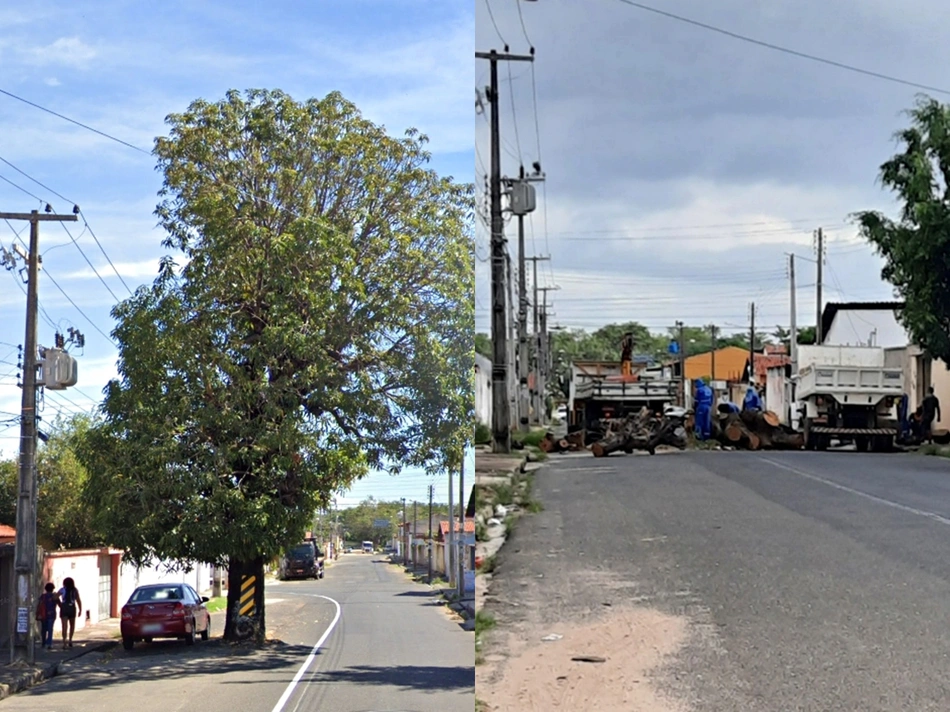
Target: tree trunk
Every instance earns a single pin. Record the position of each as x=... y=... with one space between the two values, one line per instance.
x=250 y=626
x=612 y=443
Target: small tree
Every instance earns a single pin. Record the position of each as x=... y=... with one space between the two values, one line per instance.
x=320 y=326
x=916 y=246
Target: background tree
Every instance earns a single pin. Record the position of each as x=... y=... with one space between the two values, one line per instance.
x=358 y=521
x=483 y=345
x=320 y=326
x=806 y=336
x=916 y=246
x=64 y=519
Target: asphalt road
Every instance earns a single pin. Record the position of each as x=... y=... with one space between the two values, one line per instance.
x=393 y=648
x=811 y=581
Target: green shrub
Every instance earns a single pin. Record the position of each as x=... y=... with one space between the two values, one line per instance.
x=482 y=434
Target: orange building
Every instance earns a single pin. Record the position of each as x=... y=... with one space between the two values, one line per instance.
x=732 y=363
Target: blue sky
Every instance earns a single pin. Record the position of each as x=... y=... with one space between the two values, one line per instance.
x=125 y=67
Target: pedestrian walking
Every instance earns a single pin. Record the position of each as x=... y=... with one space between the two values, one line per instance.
x=46 y=614
x=931 y=409
x=70 y=607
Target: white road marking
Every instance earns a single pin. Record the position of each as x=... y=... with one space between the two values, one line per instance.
x=874 y=498
x=313 y=653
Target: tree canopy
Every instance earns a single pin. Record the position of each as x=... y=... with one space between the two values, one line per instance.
x=916 y=246
x=318 y=325
x=64 y=520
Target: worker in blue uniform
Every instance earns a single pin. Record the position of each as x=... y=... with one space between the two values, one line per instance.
x=752 y=400
x=703 y=410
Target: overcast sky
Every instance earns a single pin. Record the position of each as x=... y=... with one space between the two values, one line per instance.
x=683 y=164
x=122 y=69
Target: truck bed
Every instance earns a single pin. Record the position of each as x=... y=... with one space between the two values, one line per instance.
x=860 y=385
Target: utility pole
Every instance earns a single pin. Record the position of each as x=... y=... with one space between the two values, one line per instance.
x=402 y=539
x=431 y=494
x=22 y=642
x=713 y=331
x=682 y=355
x=522 y=202
x=461 y=557
x=501 y=433
x=544 y=355
x=512 y=317
x=413 y=535
x=752 y=344
x=450 y=544
x=821 y=258
x=536 y=359
x=793 y=331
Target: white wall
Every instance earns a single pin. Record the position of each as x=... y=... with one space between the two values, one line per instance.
x=775 y=393
x=130 y=578
x=853 y=327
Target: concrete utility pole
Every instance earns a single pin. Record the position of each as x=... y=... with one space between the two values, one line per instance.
x=22 y=642
x=462 y=506
x=450 y=563
x=821 y=258
x=402 y=539
x=501 y=433
x=431 y=494
x=522 y=202
x=544 y=353
x=682 y=342
x=752 y=344
x=536 y=356
x=412 y=536
x=793 y=331
x=713 y=331
x=512 y=317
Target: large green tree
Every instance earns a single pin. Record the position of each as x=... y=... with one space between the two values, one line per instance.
x=318 y=326
x=64 y=519
x=916 y=246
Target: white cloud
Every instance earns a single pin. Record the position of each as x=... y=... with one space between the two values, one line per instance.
x=52 y=82
x=65 y=51
x=143 y=270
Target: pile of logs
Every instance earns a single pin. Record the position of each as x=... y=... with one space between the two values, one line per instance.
x=643 y=431
x=755 y=430
x=572 y=442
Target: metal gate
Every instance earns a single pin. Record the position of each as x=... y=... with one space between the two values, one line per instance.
x=105 y=587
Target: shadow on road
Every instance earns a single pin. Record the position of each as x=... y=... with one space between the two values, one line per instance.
x=419 y=594
x=170 y=660
x=405 y=677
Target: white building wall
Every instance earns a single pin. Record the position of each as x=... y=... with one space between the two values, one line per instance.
x=863 y=327
x=775 y=391
x=130 y=577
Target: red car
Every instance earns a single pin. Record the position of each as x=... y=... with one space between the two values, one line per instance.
x=165 y=610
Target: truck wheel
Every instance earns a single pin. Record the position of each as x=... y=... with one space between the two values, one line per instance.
x=861 y=444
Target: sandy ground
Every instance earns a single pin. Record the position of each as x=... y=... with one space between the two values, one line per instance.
x=537 y=676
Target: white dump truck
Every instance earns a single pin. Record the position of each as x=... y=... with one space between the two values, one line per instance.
x=846 y=394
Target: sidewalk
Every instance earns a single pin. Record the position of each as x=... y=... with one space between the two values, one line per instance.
x=15 y=677
x=464 y=607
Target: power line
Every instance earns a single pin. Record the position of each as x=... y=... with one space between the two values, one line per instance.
x=89 y=262
x=524 y=30
x=73 y=121
x=20 y=188
x=103 y=250
x=707 y=226
x=85 y=316
x=41 y=185
x=786 y=50
x=495 y=24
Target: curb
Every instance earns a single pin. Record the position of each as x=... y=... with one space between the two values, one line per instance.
x=29 y=678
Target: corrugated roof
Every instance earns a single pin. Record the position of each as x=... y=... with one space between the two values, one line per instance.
x=7 y=531
x=731 y=363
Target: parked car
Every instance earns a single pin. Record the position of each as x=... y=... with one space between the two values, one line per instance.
x=164 y=610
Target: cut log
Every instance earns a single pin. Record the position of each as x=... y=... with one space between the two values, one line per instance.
x=753 y=441
x=771 y=418
x=733 y=432
x=611 y=443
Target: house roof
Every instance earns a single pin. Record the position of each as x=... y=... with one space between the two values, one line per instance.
x=763 y=362
x=469 y=527
x=7 y=531
x=832 y=308
x=731 y=363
